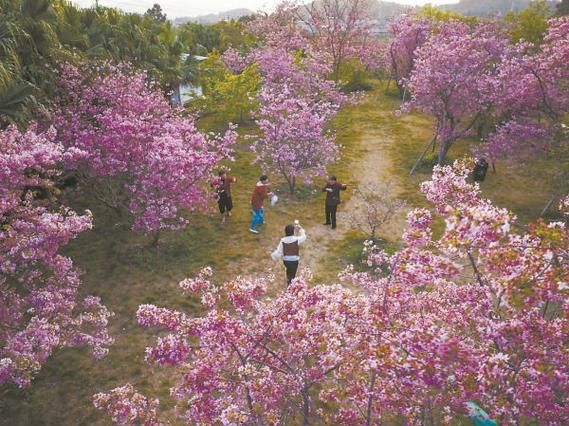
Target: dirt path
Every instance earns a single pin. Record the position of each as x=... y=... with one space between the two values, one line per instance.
x=373 y=166
x=369 y=162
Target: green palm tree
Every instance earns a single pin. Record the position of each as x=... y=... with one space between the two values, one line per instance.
x=16 y=101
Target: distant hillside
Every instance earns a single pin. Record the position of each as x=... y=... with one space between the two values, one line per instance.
x=388 y=9
x=384 y=10
x=490 y=7
x=212 y=18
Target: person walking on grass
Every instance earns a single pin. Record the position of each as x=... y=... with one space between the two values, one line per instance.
x=223 y=188
x=288 y=249
x=260 y=194
x=332 y=189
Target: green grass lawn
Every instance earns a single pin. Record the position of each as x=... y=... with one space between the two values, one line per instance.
x=121 y=268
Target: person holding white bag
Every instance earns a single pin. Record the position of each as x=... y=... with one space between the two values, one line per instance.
x=260 y=193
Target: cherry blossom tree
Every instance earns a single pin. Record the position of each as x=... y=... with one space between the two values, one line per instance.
x=340 y=29
x=296 y=105
x=40 y=308
x=280 y=29
x=454 y=78
x=332 y=30
x=478 y=314
x=296 y=101
x=139 y=153
x=532 y=96
x=408 y=33
x=469 y=77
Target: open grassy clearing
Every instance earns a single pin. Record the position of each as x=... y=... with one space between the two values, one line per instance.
x=121 y=268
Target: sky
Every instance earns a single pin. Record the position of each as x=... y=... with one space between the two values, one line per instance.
x=179 y=8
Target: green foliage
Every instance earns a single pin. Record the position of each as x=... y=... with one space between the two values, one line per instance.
x=155 y=13
x=16 y=101
x=441 y=15
x=232 y=34
x=529 y=24
x=231 y=96
x=354 y=77
x=203 y=39
x=28 y=45
x=37 y=34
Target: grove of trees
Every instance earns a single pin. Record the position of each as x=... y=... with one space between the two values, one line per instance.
x=416 y=341
x=472 y=308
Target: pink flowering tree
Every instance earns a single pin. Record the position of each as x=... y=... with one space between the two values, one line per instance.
x=280 y=29
x=479 y=314
x=139 y=153
x=532 y=96
x=339 y=29
x=256 y=361
x=296 y=105
x=333 y=31
x=40 y=308
x=408 y=33
x=296 y=100
x=454 y=79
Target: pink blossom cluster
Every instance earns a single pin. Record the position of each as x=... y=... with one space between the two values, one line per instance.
x=128 y=407
x=296 y=104
x=280 y=29
x=40 y=308
x=139 y=153
x=479 y=313
x=340 y=30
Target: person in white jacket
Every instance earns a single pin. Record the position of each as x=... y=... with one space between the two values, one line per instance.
x=288 y=249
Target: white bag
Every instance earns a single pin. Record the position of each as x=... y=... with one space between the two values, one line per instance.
x=274 y=199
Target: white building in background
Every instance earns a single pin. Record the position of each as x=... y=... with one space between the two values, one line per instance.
x=186 y=92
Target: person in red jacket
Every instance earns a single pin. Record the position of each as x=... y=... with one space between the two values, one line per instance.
x=260 y=194
x=332 y=189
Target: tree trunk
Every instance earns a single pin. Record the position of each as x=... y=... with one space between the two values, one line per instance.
x=443 y=151
x=305 y=408
x=337 y=72
x=548 y=205
x=431 y=142
x=370 y=399
x=155 y=238
x=292 y=185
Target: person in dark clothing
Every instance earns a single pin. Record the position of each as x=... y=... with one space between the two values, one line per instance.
x=332 y=189
x=289 y=251
x=224 y=200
